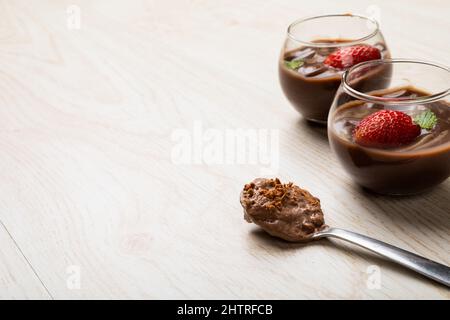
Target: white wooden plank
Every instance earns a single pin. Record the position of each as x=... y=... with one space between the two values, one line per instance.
x=88 y=184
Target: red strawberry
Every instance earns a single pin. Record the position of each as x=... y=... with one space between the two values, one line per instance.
x=386 y=129
x=346 y=57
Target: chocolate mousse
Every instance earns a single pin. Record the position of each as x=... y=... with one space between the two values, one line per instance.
x=404 y=162
x=282 y=210
x=309 y=78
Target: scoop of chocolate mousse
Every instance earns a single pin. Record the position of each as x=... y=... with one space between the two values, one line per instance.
x=282 y=210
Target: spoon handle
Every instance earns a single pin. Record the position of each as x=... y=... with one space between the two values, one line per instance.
x=428 y=268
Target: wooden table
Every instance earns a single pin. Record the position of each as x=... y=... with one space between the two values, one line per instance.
x=98 y=198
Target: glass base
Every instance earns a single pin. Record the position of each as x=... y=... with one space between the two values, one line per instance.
x=396 y=194
x=315 y=121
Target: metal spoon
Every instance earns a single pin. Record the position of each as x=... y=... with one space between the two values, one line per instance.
x=424 y=266
x=286 y=211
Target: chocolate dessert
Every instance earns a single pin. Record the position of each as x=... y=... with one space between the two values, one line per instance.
x=405 y=158
x=282 y=210
x=310 y=76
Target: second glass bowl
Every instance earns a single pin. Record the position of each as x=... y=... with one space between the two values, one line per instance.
x=308 y=83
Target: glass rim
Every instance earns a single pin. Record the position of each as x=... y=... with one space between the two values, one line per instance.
x=327 y=45
x=388 y=101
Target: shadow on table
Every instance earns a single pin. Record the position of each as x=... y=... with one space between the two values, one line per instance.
x=315 y=130
x=431 y=208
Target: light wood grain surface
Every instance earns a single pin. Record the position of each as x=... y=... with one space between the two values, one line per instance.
x=88 y=178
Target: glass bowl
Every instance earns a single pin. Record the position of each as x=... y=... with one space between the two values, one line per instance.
x=308 y=83
x=378 y=161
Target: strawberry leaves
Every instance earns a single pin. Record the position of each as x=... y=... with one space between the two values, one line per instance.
x=426 y=120
x=294 y=64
